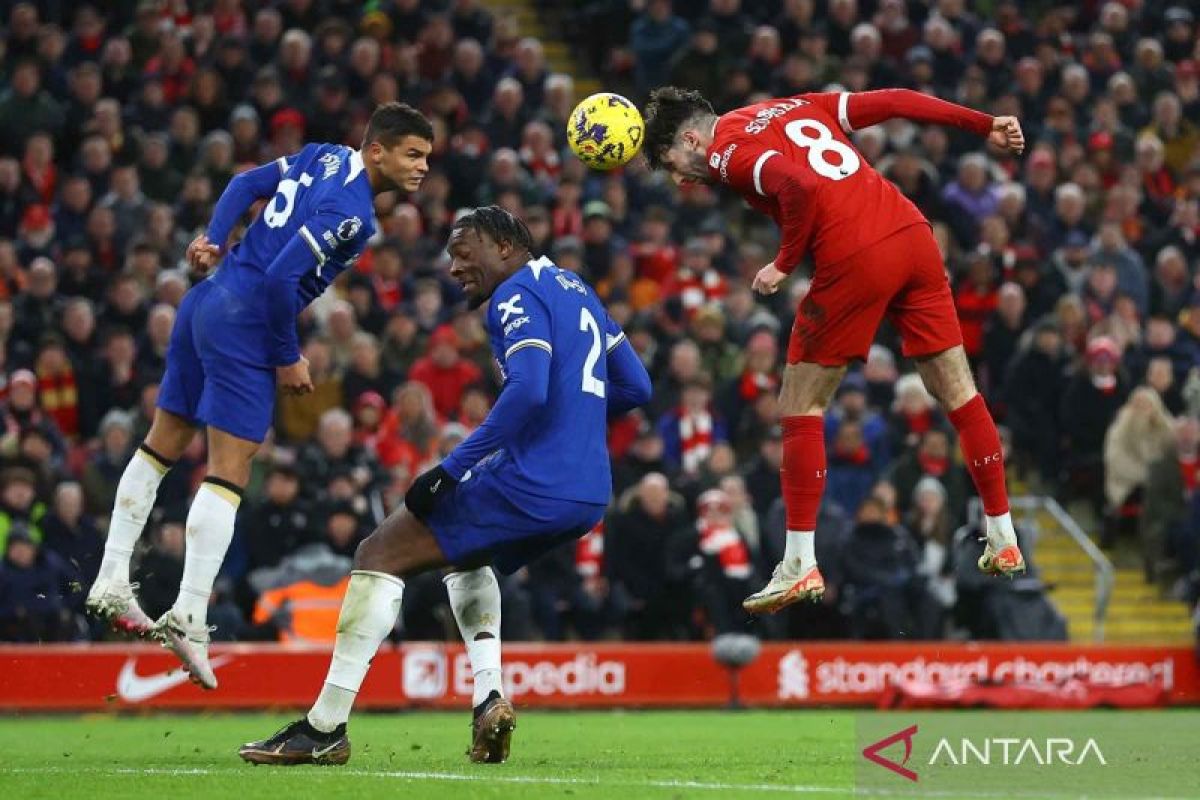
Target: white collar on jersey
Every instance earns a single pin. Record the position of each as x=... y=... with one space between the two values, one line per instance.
x=537 y=265
x=356 y=166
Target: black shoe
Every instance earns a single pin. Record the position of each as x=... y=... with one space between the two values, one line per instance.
x=299 y=743
x=491 y=730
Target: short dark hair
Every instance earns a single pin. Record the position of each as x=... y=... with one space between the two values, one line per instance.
x=669 y=108
x=498 y=224
x=391 y=122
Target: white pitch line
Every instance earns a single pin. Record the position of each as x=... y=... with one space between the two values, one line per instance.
x=549 y=781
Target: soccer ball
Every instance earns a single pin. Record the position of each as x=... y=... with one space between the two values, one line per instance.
x=605 y=131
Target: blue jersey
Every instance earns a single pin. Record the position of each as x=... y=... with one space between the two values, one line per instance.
x=321 y=199
x=562 y=452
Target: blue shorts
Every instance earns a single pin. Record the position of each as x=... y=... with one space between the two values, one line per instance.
x=216 y=372
x=489 y=516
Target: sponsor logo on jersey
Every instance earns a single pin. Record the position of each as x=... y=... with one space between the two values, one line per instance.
x=424 y=673
x=765 y=115
x=714 y=160
x=332 y=163
x=509 y=307
x=347 y=229
x=724 y=163
x=516 y=323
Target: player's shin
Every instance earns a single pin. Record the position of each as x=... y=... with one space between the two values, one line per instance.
x=475 y=601
x=802 y=476
x=984 y=458
x=135 y=500
x=210 y=524
x=368 y=615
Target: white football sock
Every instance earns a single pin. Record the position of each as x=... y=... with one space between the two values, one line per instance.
x=368 y=615
x=799 y=549
x=475 y=601
x=1000 y=531
x=135 y=500
x=210 y=523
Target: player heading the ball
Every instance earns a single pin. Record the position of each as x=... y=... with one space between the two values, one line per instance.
x=873 y=255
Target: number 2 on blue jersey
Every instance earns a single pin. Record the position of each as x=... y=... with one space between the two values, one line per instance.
x=587 y=324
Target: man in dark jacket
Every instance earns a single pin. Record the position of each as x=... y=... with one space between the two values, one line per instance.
x=279 y=523
x=1034 y=387
x=647 y=541
x=1090 y=403
x=31 y=584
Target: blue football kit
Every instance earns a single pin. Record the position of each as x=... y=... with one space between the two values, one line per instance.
x=234 y=328
x=537 y=471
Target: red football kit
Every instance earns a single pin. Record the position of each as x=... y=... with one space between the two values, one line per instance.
x=873 y=255
x=873 y=251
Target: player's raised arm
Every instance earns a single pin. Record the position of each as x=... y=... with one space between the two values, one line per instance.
x=856 y=110
x=243 y=191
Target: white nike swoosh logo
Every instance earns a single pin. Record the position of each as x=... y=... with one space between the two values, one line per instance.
x=436 y=486
x=134 y=688
x=319 y=752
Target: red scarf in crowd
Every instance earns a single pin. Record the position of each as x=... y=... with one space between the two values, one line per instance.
x=697 y=289
x=695 y=438
x=59 y=398
x=721 y=540
x=589 y=553
x=754 y=385
x=920 y=422
x=1190 y=469
x=43 y=180
x=933 y=466
x=858 y=456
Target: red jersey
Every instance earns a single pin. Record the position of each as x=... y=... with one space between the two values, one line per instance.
x=792 y=158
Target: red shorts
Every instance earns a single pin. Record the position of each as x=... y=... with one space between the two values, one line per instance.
x=901 y=276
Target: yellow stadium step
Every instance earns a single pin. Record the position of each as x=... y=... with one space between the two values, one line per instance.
x=1137 y=612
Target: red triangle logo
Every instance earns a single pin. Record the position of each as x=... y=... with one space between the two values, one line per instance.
x=871 y=753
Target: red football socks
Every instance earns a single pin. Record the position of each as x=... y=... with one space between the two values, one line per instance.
x=981 y=447
x=803 y=470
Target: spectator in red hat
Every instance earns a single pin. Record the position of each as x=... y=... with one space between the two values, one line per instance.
x=35 y=233
x=445 y=371
x=287 y=131
x=1100 y=147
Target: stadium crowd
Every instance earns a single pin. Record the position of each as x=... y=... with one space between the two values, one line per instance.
x=1075 y=271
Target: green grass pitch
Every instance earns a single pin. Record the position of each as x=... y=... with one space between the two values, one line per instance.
x=626 y=755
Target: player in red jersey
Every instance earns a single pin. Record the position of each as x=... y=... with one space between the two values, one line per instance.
x=873 y=255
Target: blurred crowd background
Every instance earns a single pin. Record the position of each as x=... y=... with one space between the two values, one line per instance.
x=1074 y=269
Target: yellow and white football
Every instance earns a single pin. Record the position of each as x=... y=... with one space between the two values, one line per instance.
x=605 y=131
